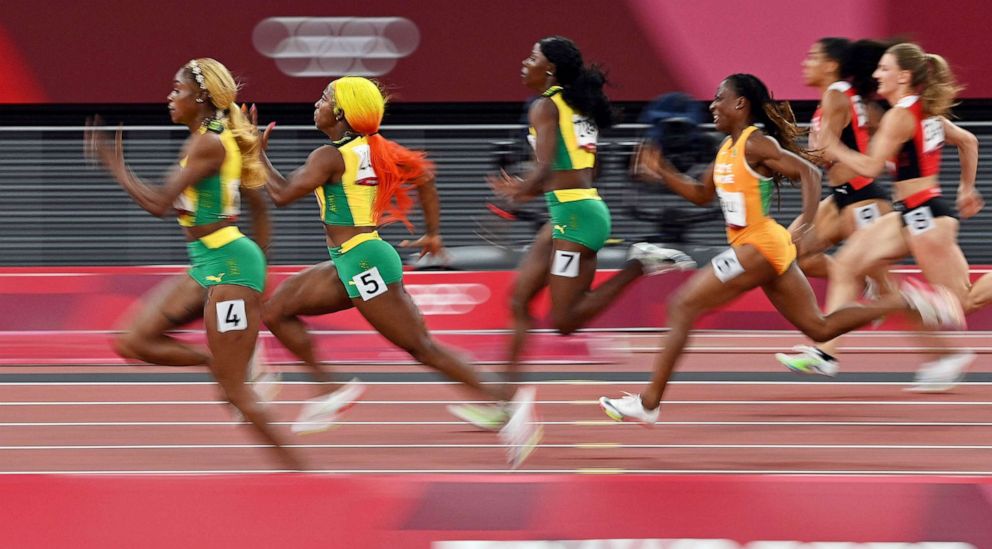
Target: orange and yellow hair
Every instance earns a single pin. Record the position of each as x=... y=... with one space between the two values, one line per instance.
x=397 y=167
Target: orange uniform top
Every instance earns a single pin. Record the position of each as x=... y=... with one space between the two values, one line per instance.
x=745 y=195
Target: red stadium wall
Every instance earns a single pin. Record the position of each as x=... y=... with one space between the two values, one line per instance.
x=112 y=51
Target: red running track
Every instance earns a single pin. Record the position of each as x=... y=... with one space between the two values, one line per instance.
x=794 y=426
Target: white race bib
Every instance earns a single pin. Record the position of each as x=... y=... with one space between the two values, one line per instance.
x=866 y=215
x=365 y=175
x=919 y=220
x=370 y=283
x=933 y=134
x=726 y=265
x=565 y=264
x=231 y=316
x=586 y=132
x=733 y=208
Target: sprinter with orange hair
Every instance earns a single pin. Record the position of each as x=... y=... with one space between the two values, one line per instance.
x=361 y=181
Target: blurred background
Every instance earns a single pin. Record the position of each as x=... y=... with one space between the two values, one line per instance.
x=452 y=69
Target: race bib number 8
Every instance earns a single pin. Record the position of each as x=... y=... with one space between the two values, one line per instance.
x=866 y=215
x=370 y=283
x=919 y=220
x=726 y=265
x=732 y=205
x=231 y=316
x=565 y=264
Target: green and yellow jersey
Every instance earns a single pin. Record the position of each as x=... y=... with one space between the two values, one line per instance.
x=575 y=144
x=217 y=197
x=349 y=201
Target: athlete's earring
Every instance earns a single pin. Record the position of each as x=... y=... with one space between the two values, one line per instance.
x=338 y=113
x=199 y=100
x=549 y=73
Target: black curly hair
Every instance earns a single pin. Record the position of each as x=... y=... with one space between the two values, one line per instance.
x=582 y=85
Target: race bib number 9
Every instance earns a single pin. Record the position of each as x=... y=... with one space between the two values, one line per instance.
x=231 y=316
x=726 y=266
x=732 y=204
x=866 y=215
x=919 y=220
x=370 y=283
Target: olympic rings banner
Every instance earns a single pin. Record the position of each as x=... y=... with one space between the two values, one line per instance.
x=113 y=51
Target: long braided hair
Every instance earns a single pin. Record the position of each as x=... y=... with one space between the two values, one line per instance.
x=777 y=117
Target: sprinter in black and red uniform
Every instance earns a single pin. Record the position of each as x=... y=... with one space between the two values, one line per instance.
x=922 y=89
x=842 y=71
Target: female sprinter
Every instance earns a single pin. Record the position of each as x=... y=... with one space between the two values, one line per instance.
x=564 y=124
x=361 y=181
x=762 y=253
x=228 y=269
x=921 y=89
x=842 y=71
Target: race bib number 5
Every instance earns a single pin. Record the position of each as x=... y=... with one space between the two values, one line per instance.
x=726 y=266
x=370 y=283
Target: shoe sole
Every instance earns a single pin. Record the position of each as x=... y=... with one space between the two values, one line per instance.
x=519 y=455
x=485 y=427
x=617 y=415
x=319 y=427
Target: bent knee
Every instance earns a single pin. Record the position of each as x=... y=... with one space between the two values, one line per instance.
x=125 y=345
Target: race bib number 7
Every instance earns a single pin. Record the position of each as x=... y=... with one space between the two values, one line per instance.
x=565 y=264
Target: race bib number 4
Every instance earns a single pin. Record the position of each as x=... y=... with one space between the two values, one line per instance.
x=231 y=316
x=919 y=220
x=732 y=204
x=726 y=265
x=370 y=283
x=565 y=264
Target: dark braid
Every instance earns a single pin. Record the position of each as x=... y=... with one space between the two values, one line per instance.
x=778 y=119
x=582 y=85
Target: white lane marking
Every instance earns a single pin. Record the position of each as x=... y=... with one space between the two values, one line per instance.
x=585 y=423
x=543 y=402
x=585 y=446
x=781 y=472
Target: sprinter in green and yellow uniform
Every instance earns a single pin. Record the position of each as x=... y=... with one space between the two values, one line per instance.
x=361 y=181
x=219 y=163
x=565 y=121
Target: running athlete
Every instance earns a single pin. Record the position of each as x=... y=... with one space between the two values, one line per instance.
x=564 y=126
x=842 y=72
x=921 y=88
x=218 y=164
x=361 y=181
x=762 y=253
